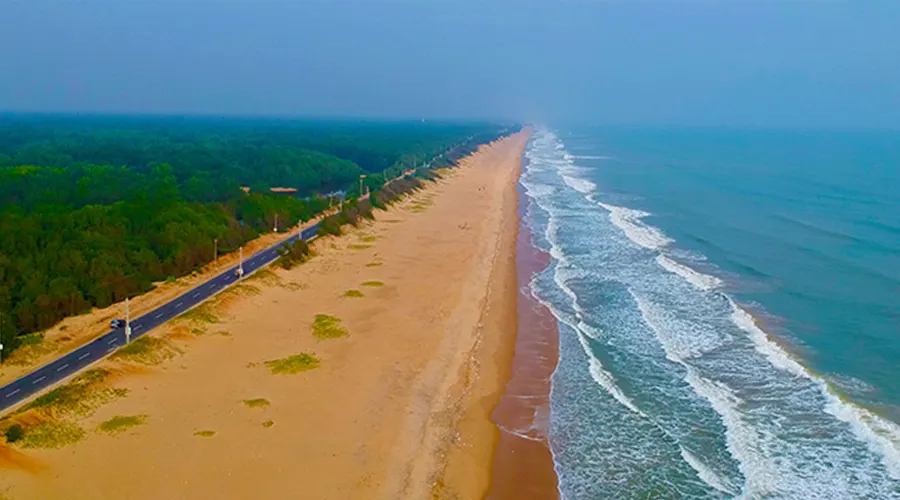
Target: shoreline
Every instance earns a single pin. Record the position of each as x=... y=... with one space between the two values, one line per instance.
x=523 y=464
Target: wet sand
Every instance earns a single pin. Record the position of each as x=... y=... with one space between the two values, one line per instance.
x=398 y=408
x=523 y=464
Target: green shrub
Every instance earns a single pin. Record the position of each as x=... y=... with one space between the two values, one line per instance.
x=14 y=433
x=293 y=364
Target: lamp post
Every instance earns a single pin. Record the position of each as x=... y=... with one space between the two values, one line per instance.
x=127 y=322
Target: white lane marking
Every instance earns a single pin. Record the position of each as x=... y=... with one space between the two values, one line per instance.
x=13 y=393
x=38 y=381
x=63 y=367
x=196 y=295
x=84 y=355
x=111 y=349
x=138 y=327
x=158 y=316
x=178 y=304
x=113 y=341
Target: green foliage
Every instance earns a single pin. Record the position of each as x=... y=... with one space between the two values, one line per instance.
x=205 y=433
x=120 y=423
x=293 y=364
x=268 y=423
x=372 y=283
x=293 y=254
x=14 y=433
x=328 y=327
x=256 y=403
x=97 y=209
x=353 y=293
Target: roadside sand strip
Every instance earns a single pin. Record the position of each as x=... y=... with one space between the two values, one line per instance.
x=397 y=408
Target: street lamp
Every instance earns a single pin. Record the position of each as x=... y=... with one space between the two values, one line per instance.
x=127 y=322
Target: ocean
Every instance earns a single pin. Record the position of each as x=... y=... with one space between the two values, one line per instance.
x=729 y=310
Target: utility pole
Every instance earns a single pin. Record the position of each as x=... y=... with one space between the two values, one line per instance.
x=216 y=252
x=1 y=337
x=276 y=223
x=127 y=322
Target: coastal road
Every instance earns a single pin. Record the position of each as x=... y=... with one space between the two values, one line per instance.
x=47 y=375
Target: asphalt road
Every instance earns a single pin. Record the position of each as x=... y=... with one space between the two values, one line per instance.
x=49 y=374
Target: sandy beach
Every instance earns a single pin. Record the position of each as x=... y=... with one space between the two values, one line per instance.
x=393 y=399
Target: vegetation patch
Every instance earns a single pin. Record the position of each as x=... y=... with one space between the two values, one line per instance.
x=328 y=327
x=14 y=433
x=223 y=333
x=268 y=423
x=205 y=433
x=293 y=364
x=120 y=423
x=147 y=350
x=353 y=293
x=79 y=397
x=368 y=238
x=373 y=284
x=356 y=246
x=51 y=434
x=256 y=403
x=200 y=314
x=373 y=264
x=29 y=349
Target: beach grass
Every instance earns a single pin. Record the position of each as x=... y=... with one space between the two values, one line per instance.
x=353 y=293
x=368 y=238
x=51 y=434
x=256 y=403
x=205 y=433
x=357 y=246
x=328 y=327
x=80 y=397
x=373 y=264
x=200 y=314
x=372 y=283
x=121 y=423
x=268 y=423
x=148 y=351
x=293 y=364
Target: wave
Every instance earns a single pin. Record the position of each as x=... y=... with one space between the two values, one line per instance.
x=581 y=185
x=701 y=281
x=629 y=221
x=881 y=436
x=705 y=473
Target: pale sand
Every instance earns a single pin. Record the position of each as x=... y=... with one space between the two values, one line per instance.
x=397 y=409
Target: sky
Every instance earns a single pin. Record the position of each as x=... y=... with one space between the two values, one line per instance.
x=666 y=62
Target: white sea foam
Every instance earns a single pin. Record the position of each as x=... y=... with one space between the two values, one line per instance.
x=629 y=221
x=605 y=379
x=706 y=474
x=881 y=436
x=600 y=375
x=699 y=280
x=581 y=185
x=741 y=439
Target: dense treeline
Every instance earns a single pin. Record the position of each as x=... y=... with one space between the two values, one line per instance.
x=93 y=210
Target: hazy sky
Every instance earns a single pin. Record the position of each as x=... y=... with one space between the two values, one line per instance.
x=737 y=62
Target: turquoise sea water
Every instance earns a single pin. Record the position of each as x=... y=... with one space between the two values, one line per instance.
x=729 y=308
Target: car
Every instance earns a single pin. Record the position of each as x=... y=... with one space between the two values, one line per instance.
x=239 y=272
x=117 y=323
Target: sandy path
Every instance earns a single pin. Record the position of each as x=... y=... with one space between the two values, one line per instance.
x=397 y=409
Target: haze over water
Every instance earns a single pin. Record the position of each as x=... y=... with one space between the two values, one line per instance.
x=728 y=306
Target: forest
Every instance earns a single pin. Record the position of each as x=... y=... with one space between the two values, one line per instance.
x=94 y=209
